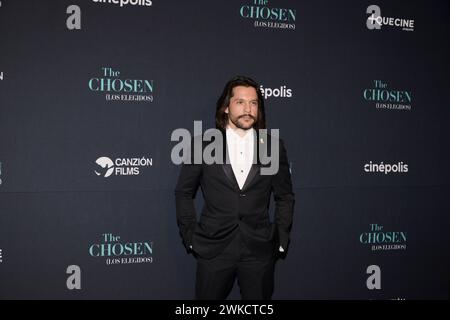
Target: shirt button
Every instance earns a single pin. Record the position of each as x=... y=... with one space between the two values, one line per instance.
x=242 y=194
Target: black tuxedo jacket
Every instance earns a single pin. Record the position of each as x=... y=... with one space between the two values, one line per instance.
x=228 y=209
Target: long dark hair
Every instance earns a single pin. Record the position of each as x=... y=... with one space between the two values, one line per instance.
x=224 y=101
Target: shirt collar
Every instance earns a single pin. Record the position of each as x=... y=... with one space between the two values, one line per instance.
x=233 y=134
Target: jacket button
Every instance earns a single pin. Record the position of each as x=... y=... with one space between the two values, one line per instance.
x=242 y=194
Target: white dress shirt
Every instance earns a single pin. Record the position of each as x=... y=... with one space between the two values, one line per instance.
x=240 y=152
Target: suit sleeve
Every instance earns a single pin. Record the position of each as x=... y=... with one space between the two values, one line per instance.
x=284 y=199
x=186 y=188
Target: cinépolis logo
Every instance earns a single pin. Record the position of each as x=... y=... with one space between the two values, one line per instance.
x=375 y=21
x=381 y=240
x=386 y=168
x=116 y=88
x=121 y=3
x=265 y=15
x=121 y=166
x=386 y=98
x=281 y=92
x=115 y=251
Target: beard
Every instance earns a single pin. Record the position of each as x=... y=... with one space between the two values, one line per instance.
x=240 y=123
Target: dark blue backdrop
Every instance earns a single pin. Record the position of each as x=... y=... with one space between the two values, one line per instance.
x=55 y=123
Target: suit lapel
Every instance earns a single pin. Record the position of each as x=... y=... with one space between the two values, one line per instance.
x=230 y=175
x=254 y=170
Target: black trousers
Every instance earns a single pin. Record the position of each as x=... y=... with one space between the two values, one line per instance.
x=215 y=277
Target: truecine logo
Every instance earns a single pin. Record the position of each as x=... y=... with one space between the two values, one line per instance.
x=375 y=21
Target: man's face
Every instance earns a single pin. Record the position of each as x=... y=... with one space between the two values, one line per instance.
x=243 y=108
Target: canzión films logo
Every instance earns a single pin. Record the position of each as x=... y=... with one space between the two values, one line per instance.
x=121 y=166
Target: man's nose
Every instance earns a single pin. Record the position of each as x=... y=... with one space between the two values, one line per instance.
x=247 y=107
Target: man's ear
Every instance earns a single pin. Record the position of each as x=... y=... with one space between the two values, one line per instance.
x=226 y=110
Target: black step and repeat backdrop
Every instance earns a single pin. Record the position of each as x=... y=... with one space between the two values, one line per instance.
x=91 y=91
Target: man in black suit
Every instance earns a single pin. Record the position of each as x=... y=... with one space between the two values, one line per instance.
x=235 y=237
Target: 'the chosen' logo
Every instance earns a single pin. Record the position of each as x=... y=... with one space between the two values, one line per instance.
x=115 y=87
